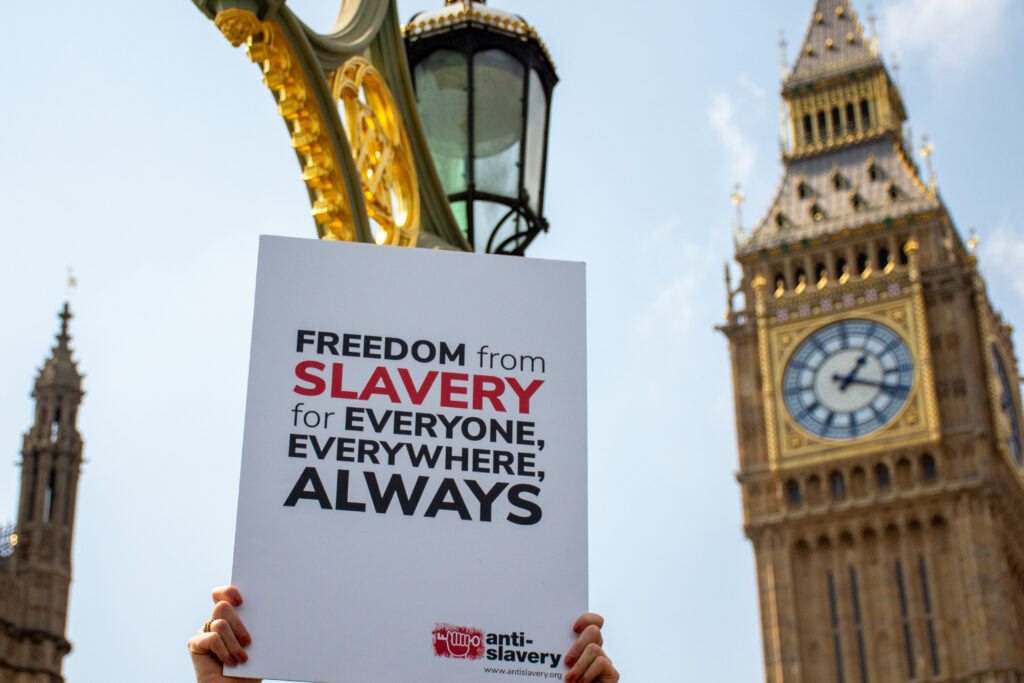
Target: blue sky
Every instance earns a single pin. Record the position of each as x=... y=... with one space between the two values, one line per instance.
x=139 y=147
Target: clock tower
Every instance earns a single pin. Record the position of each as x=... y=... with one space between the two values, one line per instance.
x=877 y=400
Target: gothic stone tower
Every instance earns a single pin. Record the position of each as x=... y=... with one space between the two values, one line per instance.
x=35 y=578
x=877 y=403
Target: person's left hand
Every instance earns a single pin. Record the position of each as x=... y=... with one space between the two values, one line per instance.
x=587 y=658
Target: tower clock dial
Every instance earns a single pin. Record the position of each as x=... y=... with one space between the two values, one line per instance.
x=848 y=379
x=1013 y=439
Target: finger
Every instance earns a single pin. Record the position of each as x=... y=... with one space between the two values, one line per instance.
x=590 y=635
x=590 y=653
x=210 y=643
x=586 y=620
x=226 y=611
x=600 y=671
x=227 y=594
x=222 y=628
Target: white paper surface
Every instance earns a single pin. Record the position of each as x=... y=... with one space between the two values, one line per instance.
x=361 y=596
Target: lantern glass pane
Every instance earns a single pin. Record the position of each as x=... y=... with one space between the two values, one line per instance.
x=497 y=122
x=536 y=116
x=486 y=216
x=442 y=97
x=459 y=211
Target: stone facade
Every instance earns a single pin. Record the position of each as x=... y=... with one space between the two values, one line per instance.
x=36 y=576
x=891 y=551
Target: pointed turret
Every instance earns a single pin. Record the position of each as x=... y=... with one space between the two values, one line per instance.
x=60 y=370
x=835 y=44
x=41 y=563
x=847 y=163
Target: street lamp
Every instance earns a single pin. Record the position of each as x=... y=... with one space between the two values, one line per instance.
x=483 y=82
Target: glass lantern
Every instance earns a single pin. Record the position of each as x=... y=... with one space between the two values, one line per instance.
x=483 y=84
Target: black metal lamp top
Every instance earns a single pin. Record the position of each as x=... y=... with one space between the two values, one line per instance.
x=483 y=88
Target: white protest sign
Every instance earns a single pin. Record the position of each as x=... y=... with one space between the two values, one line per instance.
x=412 y=502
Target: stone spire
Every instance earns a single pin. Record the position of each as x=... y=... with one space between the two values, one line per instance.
x=835 y=43
x=60 y=369
x=41 y=564
x=847 y=165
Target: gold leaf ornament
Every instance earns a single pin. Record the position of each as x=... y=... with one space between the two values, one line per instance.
x=381 y=151
x=237 y=25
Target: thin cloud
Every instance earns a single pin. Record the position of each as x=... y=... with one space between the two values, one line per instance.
x=1002 y=253
x=949 y=34
x=742 y=153
x=666 y=316
x=754 y=89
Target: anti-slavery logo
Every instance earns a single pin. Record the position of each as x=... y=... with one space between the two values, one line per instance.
x=460 y=642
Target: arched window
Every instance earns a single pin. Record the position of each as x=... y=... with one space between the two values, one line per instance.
x=55 y=425
x=903 y=473
x=780 y=281
x=837 y=124
x=865 y=115
x=862 y=262
x=793 y=494
x=929 y=470
x=851 y=120
x=882 y=477
x=838 y=485
x=883 y=257
x=821 y=274
x=822 y=130
x=858 y=482
x=50 y=501
x=808 y=130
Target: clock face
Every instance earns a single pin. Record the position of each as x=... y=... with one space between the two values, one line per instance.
x=1013 y=440
x=848 y=379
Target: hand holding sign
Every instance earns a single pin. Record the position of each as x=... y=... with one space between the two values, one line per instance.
x=221 y=640
x=223 y=645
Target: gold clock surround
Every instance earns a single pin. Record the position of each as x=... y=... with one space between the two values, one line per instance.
x=894 y=306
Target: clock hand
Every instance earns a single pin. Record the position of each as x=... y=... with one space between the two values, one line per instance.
x=868 y=382
x=891 y=388
x=845 y=381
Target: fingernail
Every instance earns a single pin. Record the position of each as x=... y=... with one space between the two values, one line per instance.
x=231 y=661
x=246 y=640
x=242 y=656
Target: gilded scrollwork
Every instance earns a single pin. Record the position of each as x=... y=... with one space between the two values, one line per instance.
x=373 y=125
x=237 y=25
x=381 y=150
x=283 y=75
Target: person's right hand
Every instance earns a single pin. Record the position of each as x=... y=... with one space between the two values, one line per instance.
x=222 y=646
